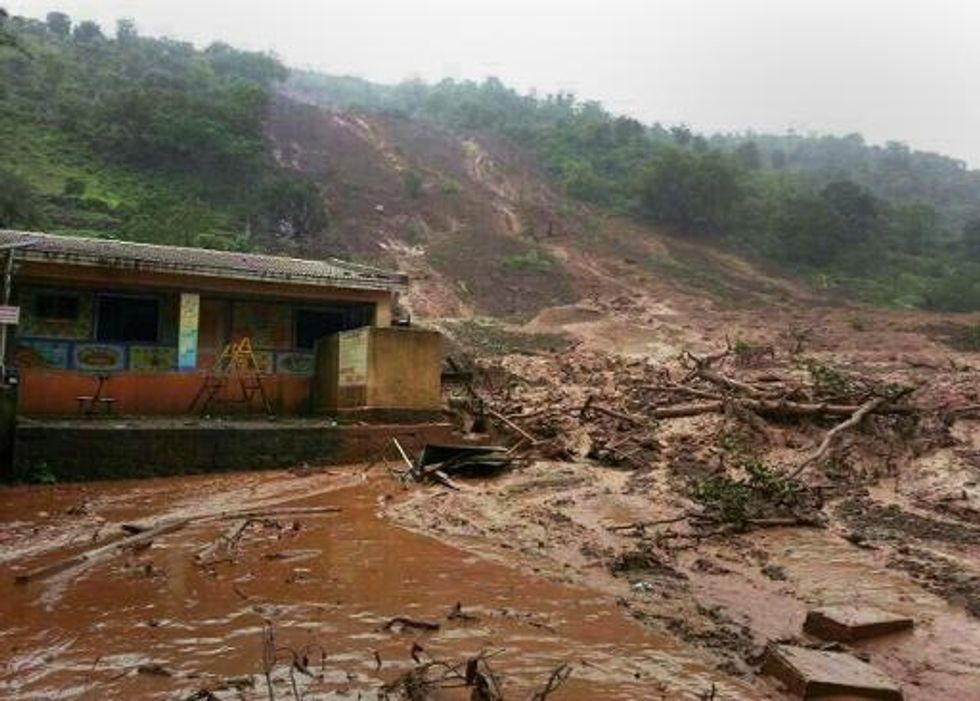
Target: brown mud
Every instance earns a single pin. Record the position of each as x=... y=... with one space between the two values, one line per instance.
x=154 y=623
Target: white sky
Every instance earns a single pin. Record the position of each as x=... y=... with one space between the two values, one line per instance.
x=906 y=70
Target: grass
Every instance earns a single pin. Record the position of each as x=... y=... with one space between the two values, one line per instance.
x=533 y=260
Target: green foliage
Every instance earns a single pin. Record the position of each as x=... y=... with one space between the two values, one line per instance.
x=413 y=185
x=690 y=190
x=761 y=491
x=291 y=206
x=143 y=138
x=449 y=188
x=828 y=380
x=533 y=260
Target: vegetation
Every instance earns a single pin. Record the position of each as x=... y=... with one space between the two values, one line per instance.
x=151 y=139
x=888 y=224
x=141 y=138
x=761 y=492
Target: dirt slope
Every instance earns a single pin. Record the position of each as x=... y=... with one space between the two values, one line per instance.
x=476 y=224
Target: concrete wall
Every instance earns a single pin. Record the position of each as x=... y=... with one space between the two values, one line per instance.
x=47 y=393
x=404 y=369
x=382 y=369
x=90 y=450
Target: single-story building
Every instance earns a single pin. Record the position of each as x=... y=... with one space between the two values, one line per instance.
x=142 y=324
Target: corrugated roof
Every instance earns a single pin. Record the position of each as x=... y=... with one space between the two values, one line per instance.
x=107 y=253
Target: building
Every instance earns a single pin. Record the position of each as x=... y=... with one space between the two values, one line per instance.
x=141 y=324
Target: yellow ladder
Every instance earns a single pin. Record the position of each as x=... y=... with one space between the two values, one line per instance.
x=236 y=362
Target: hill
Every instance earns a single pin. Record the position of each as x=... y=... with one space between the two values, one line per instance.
x=499 y=202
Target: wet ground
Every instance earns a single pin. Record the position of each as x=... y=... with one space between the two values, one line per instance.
x=156 y=623
x=730 y=595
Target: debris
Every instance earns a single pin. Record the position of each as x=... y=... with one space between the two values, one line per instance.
x=457 y=614
x=462 y=459
x=559 y=676
x=144 y=534
x=849 y=623
x=400 y=623
x=154 y=669
x=814 y=673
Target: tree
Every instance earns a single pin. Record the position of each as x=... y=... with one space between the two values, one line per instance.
x=293 y=207
x=126 y=30
x=858 y=209
x=18 y=203
x=690 y=190
x=971 y=239
x=59 y=24
x=87 y=32
x=747 y=155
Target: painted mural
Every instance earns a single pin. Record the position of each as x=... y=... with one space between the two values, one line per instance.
x=294 y=363
x=78 y=328
x=42 y=354
x=267 y=325
x=152 y=358
x=99 y=356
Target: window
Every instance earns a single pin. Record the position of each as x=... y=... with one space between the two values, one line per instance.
x=53 y=305
x=312 y=325
x=128 y=319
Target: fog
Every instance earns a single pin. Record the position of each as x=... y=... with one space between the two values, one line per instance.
x=901 y=70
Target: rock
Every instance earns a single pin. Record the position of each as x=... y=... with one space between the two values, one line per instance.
x=850 y=623
x=815 y=673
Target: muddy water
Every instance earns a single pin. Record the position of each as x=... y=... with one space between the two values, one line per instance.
x=331 y=580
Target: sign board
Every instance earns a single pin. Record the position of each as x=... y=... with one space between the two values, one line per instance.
x=353 y=360
x=9 y=315
x=190 y=312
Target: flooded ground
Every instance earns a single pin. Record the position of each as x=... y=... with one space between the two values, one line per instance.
x=156 y=623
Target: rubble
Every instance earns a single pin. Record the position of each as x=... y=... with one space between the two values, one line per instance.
x=813 y=674
x=850 y=623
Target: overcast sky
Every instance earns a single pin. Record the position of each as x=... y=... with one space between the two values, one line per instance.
x=905 y=70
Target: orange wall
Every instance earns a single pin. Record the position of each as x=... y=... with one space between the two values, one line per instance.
x=53 y=392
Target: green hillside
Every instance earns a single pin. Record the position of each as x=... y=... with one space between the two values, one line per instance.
x=140 y=138
x=154 y=140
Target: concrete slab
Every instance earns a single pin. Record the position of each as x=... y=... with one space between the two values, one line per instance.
x=850 y=623
x=813 y=674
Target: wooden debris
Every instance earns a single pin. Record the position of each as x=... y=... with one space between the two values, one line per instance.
x=403 y=622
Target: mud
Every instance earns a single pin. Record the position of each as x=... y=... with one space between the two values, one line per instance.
x=155 y=623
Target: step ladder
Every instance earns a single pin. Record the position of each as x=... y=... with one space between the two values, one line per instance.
x=235 y=364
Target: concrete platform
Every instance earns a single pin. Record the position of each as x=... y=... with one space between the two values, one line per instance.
x=79 y=450
x=850 y=623
x=813 y=674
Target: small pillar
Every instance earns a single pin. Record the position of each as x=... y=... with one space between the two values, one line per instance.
x=190 y=313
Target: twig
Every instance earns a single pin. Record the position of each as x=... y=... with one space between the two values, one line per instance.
x=644 y=524
x=558 y=677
